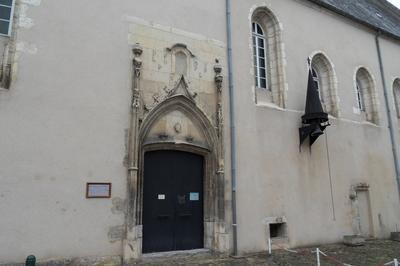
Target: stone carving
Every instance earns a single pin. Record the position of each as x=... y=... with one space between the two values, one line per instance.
x=167 y=91
x=218 y=76
x=137 y=64
x=218 y=83
x=156 y=98
x=218 y=79
x=181 y=88
x=178 y=128
x=131 y=221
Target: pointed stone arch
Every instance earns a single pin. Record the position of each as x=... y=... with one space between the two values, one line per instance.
x=179 y=100
x=186 y=106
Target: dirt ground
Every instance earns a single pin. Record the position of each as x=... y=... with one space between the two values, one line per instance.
x=374 y=252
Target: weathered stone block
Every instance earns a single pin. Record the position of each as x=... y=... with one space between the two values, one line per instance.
x=353 y=240
x=395 y=236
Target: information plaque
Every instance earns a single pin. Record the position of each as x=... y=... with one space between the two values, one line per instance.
x=98 y=190
x=194 y=196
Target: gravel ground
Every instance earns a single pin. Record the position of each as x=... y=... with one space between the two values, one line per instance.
x=374 y=252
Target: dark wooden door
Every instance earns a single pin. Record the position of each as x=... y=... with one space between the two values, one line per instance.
x=172 y=201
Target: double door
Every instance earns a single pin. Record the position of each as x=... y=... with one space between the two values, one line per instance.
x=172 y=201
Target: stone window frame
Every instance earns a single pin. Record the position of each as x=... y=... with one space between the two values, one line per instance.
x=396 y=96
x=276 y=77
x=327 y=82
x=365 y=81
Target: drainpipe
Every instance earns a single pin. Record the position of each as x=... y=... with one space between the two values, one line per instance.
x=388 y=112
x=232 y=124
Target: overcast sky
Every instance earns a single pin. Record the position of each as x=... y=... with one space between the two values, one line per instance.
x=395 y=2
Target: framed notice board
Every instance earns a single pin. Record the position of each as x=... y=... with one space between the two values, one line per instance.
x=98 y=190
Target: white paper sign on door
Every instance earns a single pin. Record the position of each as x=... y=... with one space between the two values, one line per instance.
x=194 y=196
x=161 y=196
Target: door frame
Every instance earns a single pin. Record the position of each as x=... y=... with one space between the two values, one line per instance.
x=367 y=205
x=216 y=227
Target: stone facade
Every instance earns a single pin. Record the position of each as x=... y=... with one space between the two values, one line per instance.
x=177 y=105
x=97 y=90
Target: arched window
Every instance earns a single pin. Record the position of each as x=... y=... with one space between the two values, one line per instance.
x=325 y=77
x=259 y=53
x=396 y=95
x=268 y=58
x=367 y=100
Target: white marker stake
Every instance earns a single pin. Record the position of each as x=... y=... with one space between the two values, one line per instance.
x=396 y=262
x=318 y=262
x=269 y=246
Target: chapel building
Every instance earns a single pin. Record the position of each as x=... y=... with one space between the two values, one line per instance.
x=148 y=126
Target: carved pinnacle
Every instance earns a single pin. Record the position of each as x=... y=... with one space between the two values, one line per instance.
x=137 y=50
x=218 y=76
x=217 y=67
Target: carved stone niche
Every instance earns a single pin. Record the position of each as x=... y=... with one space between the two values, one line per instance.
x=181 y=59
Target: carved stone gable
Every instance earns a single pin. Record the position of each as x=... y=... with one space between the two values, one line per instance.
x=181 y=88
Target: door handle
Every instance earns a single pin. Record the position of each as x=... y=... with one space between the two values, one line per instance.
x=163 y=216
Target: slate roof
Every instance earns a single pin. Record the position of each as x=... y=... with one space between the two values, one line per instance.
x=376 y=14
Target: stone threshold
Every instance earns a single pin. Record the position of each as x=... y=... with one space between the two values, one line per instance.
x=174 y=253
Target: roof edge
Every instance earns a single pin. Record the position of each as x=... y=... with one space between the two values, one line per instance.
x=347 y=15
